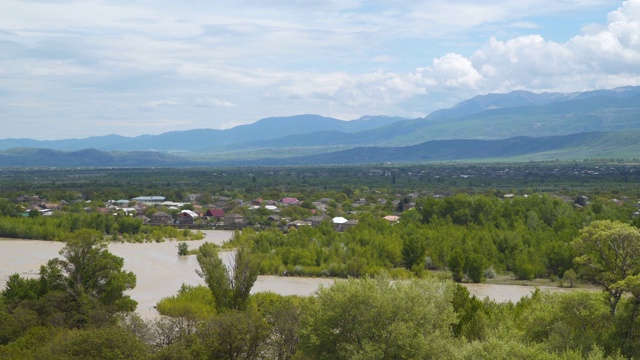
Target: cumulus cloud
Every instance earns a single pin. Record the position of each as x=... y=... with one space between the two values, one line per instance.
x=608 y=57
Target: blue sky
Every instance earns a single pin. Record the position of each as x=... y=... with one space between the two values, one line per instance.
x=73 y=69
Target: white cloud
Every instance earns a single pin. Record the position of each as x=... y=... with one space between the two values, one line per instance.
x=605 y=58
x=161 y=103
x=215 y=63
x=451 y=71
x=213 y=102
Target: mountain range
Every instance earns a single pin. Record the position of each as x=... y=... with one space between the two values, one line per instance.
x=516 y=125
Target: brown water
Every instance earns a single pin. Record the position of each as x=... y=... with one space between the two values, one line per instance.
x=160 y=271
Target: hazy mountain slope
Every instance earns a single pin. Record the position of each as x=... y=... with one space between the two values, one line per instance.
x=498 y=101
x=322 y=138
x=552 y=114
x=599 y=113
x=492 y=116
x=574 y=146
x=521 y=98
x=197 y=139
x=295 y=131
x=20 y=157
x=68 y=144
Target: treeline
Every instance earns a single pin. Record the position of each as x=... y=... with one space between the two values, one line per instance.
x=610 y=178
x=61 y=226
x=474 y=235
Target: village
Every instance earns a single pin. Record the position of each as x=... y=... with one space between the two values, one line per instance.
x=226 y=213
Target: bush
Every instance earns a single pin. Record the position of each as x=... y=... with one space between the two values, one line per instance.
x=490 y=273
x=191 y=301
x=183 y=249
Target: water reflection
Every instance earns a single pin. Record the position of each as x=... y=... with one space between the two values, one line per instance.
x=160 y=271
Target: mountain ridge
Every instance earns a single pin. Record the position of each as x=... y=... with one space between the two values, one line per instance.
x=573 y=146
x=483 y=117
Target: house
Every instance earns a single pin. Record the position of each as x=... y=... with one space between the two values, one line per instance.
x=392 y=218
x=186 y=217
x=338 y=220
x=290 y=201
x=274 y=218
x=161 y=218
x=49 y=206
x=145 y=220
x=320 y=206
x=129 y=211
x=121 y=202
x=149 y=199
x=217 y=214
x=343 y=224
x=299 y=223
x=172 y=203
x=234 y=220
x=316 y=220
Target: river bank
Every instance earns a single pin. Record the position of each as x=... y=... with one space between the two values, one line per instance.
x=160 y=271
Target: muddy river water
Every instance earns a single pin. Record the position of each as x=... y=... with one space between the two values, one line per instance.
x=160 y=271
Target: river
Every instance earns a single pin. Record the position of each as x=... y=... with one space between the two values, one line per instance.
x=160 y=271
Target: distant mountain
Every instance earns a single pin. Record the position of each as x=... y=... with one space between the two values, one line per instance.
x=521 y=98
x=598 y=113
x=22 y=157
x=68 y=144
x=210 y=139
x=513 y=99
x=485 y=117
x=575 y=146
x=276 y=128
x=493 y=116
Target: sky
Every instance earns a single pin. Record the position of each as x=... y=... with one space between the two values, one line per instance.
x=74 y=69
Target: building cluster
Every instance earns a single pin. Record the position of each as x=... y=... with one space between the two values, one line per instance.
x=157 y=210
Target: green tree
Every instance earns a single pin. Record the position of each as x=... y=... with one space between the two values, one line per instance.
x=183 y=249
x=374 y=319
x=414 y=251
x=234 y=335
x=456 y=264
x=475 y=265
x=230 y=287
x=88 y=282
x=570 y=276
x=470 y=312
x=85 y=286
x=609 y=252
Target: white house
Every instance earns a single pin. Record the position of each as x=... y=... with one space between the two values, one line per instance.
x=149 y=199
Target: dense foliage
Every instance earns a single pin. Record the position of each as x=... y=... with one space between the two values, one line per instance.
x=62 y=225
x=529 y=236
x=84 y=288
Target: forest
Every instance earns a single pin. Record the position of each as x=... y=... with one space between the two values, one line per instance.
x=573 y=224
